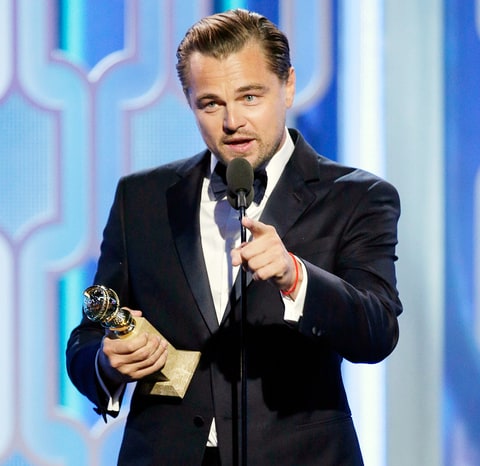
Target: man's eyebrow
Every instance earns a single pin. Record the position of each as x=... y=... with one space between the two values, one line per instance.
x=206 y=96
x=251 y=87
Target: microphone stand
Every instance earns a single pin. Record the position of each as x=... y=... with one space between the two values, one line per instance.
x=240 y=194
x=242 y=204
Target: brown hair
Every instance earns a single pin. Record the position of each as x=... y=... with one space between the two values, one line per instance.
x=225 y=33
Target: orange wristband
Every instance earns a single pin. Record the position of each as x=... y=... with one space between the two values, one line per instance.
x=295 y=283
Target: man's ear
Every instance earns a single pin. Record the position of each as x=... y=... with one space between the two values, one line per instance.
x=290 y=87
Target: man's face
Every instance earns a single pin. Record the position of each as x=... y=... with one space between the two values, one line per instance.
x=239 y=104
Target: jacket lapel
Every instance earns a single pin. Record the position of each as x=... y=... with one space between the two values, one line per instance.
x=183 y=200
x=300 y=185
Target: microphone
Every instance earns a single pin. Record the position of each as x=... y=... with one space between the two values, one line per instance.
x=240 y=183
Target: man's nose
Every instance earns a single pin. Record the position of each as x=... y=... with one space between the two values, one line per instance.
x=233 y=119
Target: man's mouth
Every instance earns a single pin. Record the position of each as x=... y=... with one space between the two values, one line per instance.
x=239 y=144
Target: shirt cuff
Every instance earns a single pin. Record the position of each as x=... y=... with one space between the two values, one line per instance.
x=114 y=400
x=294 y=309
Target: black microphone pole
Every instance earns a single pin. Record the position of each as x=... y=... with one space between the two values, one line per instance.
x=243 y=339
x=240 y=196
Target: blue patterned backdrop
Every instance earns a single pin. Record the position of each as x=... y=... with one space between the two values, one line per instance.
x=88 y=93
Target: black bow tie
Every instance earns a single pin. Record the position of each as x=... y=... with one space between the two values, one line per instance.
x=218 y=183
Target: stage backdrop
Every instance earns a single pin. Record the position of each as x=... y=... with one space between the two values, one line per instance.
x=462 y=207
x=88 y=93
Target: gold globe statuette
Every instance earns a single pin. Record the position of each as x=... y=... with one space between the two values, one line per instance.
x=101 y=304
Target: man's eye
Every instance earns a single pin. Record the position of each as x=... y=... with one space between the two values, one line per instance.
x=250 y=98
x=209 y=106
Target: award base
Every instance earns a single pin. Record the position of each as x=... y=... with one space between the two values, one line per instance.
x=174 y=379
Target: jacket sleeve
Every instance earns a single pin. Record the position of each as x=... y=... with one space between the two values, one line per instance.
x=85 y=340
x=354 y=307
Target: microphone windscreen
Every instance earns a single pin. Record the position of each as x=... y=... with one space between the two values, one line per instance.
x=239 y=176
x=239 y=183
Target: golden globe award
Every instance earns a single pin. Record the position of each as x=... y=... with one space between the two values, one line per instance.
x=101 y=304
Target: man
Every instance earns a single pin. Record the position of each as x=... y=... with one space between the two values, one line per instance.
x=320 y=262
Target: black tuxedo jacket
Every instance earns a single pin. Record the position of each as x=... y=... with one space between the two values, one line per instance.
x=342 y=223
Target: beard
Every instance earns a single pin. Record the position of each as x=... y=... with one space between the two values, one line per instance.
x=257 y=158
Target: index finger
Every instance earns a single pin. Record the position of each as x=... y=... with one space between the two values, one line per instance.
x=255 y=227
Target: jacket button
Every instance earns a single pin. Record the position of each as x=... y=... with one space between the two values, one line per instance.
x=198 y=421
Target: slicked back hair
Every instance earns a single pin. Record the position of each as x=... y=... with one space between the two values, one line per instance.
x=222 y=34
